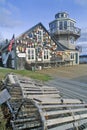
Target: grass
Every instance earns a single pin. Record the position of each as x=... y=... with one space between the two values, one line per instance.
x=32 y=74
x=2 y=120
x=2 y=124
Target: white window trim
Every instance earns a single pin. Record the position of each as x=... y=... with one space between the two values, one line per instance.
x=48 y=53
x=38 y=35
x=30 y=49
x=72 y=58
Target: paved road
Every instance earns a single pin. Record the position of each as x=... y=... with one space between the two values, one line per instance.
x=69 y=88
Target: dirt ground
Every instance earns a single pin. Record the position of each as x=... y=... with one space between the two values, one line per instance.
x=75 y=72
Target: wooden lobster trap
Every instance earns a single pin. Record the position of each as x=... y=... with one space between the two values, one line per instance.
x=35 y=106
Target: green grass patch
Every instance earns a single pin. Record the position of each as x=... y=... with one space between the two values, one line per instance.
x=32 y=74
x=2 y=120
x=2 y=124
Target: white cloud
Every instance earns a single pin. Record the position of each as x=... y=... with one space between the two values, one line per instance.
x=2 y=1
x=5 y=11
x=8 y=15
x=8 y=22
x=82 y=2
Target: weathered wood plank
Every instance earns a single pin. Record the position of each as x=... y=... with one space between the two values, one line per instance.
x=42 y=95
x=38 y=89
x=57 y=101
x=28 y=126
x=39 y=92
x=50 y=113
x=63 y=106
x=66 y=119
x=70 y=125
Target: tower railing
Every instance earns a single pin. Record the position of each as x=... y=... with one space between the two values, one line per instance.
x=66 y=30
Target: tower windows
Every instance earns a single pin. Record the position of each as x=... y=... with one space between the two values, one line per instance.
x=65 y=24
x=62 y=25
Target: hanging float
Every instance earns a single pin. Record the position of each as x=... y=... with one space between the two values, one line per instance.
x=60 y=53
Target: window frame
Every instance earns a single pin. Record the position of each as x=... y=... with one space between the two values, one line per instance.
x=46 y=54
x=31 y=54
x=72 y=56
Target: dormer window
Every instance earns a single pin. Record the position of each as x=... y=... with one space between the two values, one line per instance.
x=59 y=15
x=65 y=15
x=62 y=15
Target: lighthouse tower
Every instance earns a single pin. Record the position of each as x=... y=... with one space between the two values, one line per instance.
x=64 y=30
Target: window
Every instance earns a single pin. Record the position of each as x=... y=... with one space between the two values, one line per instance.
x=71 y=26
x=40 y=36
x=72 y=40
x=30 y=35
x=62 y=15
x=46 y=54
x=72 y=56
x=65 y=24
x=66 y=15
x=60 y=25
x=31 y=54
x=28 y=54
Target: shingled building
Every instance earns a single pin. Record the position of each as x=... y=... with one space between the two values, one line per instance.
x=38 y=48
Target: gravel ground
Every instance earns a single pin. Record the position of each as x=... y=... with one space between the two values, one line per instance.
x=76 y=73
x=71 y=81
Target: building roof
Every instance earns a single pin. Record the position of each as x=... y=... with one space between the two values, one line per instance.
x=32 y=28
x=60 y=47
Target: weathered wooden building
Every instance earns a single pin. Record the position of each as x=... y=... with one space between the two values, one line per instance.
x=38 y=48
x=34 y=48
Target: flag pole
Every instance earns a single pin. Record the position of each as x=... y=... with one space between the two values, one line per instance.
x=15 y=59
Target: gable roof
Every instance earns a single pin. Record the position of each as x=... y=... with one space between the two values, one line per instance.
x=60 y=47
x=31 y=29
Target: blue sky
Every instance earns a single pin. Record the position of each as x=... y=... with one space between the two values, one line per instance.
x=17 y=16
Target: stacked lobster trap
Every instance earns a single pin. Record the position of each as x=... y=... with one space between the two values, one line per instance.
x=35 y=106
